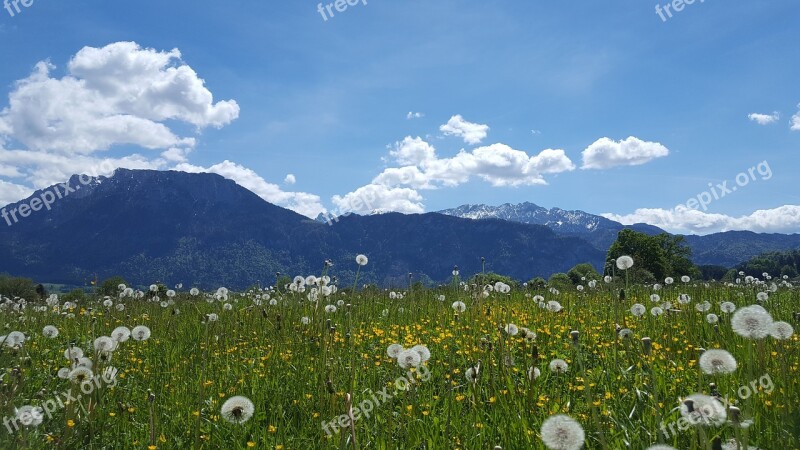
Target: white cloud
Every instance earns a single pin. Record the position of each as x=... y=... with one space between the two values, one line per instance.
x=396 y=188
x=290 y=179
x=764 y=119
x=10 y=192
x=784 y=219
x=414 y=115
x=606 y=153
x=378 y=197
x=300 y=202
x=472 y=133
x=115 y=95
x=796 y=121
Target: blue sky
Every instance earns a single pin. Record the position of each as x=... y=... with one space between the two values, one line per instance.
x=598 y=106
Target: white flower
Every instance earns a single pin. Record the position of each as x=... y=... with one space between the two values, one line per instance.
x=305 y=320
x=394 y=350
x=727 y=307
x=700 y=409
x=50 y=331
x=408 y=358
x=30 y=416
x=638 y=310
x=751 y=322
x=712 y=318
x=140 y=333
x=714 y=362
x=624 y=262
x=330 y=309
x=459 y=306
x=685 y=278
x=194 y=292
x=15 y=339
x=534 y=373
x=668 y=280
x=554 y=306
x=73 y=353
x=703 y=307
x=105 y=344
x=121 y=334
x=607 y=279
x=471 y=374
x=362 y=260
x=424 y=353
x=81 y=374
x=559 y=366
x=561 y=432
x=762 y=296
x=511 y=329
x=781 y=330
x=237 y=409
x=655 y=298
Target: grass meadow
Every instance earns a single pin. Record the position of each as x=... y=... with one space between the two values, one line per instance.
x=298 y=362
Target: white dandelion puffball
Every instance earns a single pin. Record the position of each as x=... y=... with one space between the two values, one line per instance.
x=703 y=307
x=554 y=306
x=684 y=299
x=305 y=320
x=713 y=362
x=140 y=333
x=751 y=322
x=362 y=260
x=511 y=329
x=273 y=302
x=408 y=358
x=213 y=317
x=105 y=344
x=685 y=279
x=63 y=373
x=15 y=339
x=227 y=307
x=655 y=298
x=108 y=303
x=712 y=318
x=624 y=262
x=424 y=353
x=727 y=307
x=237 y=409
x=559 y=366
x=81 y=374
x=656 y=311
x=703 y=410
x=561 y=432
x=638 y=310
x=194 y=292
x=668 y=280
x=459 y=306
x=394 y=350
x=73 y=353
x=330 y=309
x=50 y=331
x=121 y=334
x=534 y=373
x=607 y=279
x=762 y=296
x=471 y=375
x=781 y=331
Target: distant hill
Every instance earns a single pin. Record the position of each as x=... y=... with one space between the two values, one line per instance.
x=204 y=230
x=725 y=249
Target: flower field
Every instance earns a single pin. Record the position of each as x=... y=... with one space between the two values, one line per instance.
x=685 y=365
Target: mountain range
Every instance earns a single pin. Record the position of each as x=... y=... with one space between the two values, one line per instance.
x=207 y=231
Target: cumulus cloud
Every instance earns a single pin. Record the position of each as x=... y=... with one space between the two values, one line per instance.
x=796 y=121
x=379 y=198
x=120 y=94
x=784 y=219
x=10 y=192
x=414 y=115
x=606 y=153
x=302 y=203
x=764 y=119
x=472 y=133
x=421 y=168
x=290 y=179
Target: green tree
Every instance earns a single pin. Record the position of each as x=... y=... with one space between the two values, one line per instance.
x=537 y=283
x=18 y=287
x=559 y=279
x=788 y=271
x=482 y=279
x=110 y=286
x=658 y=256
x=583 y=270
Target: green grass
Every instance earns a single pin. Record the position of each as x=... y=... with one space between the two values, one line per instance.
x=170 y=387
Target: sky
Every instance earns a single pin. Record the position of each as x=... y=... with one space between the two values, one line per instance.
x=681 y=115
